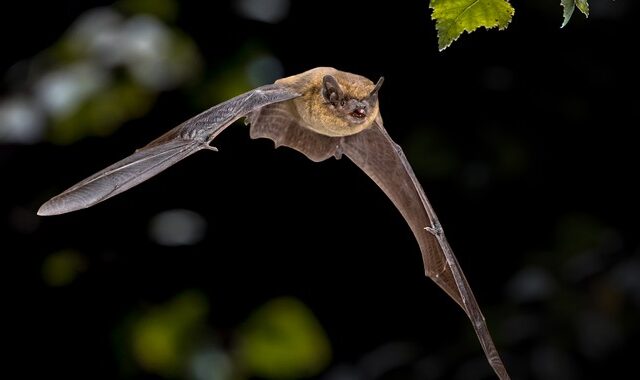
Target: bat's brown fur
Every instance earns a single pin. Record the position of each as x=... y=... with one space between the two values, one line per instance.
x=312 y=107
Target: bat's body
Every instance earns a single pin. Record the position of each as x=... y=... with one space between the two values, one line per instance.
x=321 y=113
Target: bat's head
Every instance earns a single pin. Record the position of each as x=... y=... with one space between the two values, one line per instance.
x=349 y=102
x=333 y=102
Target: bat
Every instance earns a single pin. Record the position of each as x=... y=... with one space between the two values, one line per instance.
x=321 y=113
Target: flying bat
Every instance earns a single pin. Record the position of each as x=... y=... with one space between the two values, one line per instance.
x=321 y=113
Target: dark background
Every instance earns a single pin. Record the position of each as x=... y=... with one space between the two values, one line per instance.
x=524 y=141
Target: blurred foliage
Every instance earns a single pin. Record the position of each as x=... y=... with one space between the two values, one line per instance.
x=570 y=5
x=102 y=113
x=108 y=68
x=283 y=340
x=453 y=17
x=61 y=268
x=442 y=159
x=163 y=337
x=136 y=56
x=579 y=233
x=166 y=10
x=570 y=301
x=251 y=66
x=280 y=340
x=177 y=227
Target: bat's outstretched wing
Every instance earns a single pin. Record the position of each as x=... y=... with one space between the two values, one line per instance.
x=382 y=159
x=377 y=155
x=180 y=142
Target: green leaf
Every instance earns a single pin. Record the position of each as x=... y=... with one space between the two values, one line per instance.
x=570 y=5
x=583 y=5
x=61 y=268
x=166 y=10
x=162 y=337
x=453 y=17
x=283 y=340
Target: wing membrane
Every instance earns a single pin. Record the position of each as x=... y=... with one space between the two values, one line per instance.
x=189 y=137
x=383 y=161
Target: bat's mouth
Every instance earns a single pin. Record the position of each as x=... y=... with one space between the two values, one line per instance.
x=359 y=113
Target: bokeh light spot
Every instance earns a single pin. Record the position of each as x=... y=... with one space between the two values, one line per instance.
x=21 y=121
x=177 y=227
x=211 y=363
x=269 y=11
x=61 y=268
x=264 y=70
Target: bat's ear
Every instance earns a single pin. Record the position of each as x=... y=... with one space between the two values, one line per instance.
x=373 y=96
x=331 y=89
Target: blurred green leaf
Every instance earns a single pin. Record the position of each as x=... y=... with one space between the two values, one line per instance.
x=167 y=10
x=453 y=17
x=163 y=337
x=432 y=155
x=231 y=79
x=90 y=85
x=61 y=268
x=509 y=154
x=283 y=340
x=230 y=83
x=578 y=233
x=103 y=113
x=570 y=5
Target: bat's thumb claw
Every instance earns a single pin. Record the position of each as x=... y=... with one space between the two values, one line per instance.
x=213 y=148
x=436 y=230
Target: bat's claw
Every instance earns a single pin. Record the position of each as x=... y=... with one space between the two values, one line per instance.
x=213 y=148
x=435 y=230
x=338 y=153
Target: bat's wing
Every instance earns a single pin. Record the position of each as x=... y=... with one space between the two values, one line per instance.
x=180 y=142
x=382 y=159
x=377 y=155
x=276 y=122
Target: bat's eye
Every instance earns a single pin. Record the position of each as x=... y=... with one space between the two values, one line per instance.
x=342 y=103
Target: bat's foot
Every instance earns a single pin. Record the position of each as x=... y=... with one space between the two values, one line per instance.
x=338 y=153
